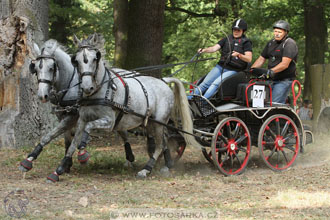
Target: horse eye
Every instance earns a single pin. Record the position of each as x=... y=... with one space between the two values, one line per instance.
x=51 y=69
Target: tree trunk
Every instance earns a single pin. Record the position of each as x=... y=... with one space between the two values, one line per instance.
x=22 y=118
x=320 y=83
x=120 y=15
x=60 y=28
x=145 y=34
x=316 y=39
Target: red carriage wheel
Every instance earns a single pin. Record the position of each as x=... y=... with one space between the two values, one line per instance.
x=177 y=147
x=279 y=142
x=231 y=146
x=208 y=155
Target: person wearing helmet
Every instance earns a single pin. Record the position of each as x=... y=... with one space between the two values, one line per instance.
x=236 y=53
x=281 y=53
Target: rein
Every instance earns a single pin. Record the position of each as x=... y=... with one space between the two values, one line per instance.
x=134 y=72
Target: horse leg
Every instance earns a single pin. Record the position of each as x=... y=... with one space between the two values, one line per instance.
x=68 y=135
x=65 y=124
x=157 y=131
x=169 y=163
x=83 y=155
x=103 y=123
x=128 y=150
x=151 y=145
x=67 y=160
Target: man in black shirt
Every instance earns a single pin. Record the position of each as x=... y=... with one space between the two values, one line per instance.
x=236 y=53
x=282 y=54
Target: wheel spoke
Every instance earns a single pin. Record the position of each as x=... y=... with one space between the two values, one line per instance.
x=278 y=127
x=271 y=154
x=284 y=154
x=221 y=149
x=228 y=130
x=285 y=129
x=231 y=162
x=236 y=132
x=240 y=139
x=290 y=148
x=226 y=157
x=278 y=158
x=242 y=149
x=272 y=133
x=224 y=139
x=240 y=164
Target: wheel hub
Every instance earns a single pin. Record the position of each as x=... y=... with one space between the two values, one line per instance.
x=232 y=146
x=279 y=143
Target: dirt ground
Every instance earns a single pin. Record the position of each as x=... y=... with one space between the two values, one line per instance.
x=105 y=189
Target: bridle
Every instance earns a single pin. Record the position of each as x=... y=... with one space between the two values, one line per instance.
x=98 y=57
x=33 y=71
x=88 y=73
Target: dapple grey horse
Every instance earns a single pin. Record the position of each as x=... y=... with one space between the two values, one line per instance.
x=118 y=103
x=58 y=83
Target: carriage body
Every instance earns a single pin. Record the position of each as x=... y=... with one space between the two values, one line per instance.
x=242 y=116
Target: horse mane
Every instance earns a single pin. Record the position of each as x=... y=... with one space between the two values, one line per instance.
x=94 y=40
x=49 y=46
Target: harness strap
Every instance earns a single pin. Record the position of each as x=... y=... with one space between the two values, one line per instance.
x=121 y=113
x=148 y=109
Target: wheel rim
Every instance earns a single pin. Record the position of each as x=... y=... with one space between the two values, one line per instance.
x=208 y=155
x=177 y=148
x=231 y=146
x=279 y=142
x=179 y=152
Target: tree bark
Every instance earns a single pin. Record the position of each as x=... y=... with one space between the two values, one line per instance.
x=120 y=14
x=320 y=83
x=23 y=119
x=145 y=34
x=316 y=39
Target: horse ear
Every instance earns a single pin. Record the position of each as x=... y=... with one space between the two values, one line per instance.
x=74 y=61
x=76 y=41
x=54 y=48
x=93 y=39
x=32 y=68
x=36 y=48
x=98 y=55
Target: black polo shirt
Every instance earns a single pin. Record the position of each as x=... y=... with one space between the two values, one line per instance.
x=275 y=51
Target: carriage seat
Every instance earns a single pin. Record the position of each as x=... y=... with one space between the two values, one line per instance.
x=228 y=87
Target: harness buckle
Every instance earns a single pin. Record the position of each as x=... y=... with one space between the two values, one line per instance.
x=145 y=122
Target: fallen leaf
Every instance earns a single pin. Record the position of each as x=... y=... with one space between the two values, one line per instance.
x=83 y=201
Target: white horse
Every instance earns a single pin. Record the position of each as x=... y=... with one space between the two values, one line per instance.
x=140 y=100
x=58 y=82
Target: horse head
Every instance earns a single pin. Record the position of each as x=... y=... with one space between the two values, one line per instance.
x=45 y=67
x=87 y=61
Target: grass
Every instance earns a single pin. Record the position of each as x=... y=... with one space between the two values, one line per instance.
x=301 y=192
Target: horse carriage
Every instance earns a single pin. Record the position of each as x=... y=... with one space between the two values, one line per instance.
x=225 y=127
x=241 y=115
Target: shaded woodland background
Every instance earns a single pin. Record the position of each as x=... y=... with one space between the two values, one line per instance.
x=144 y=32
x=140 y=33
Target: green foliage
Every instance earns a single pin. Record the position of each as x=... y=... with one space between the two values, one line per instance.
x=83 y=17
x=184 y=33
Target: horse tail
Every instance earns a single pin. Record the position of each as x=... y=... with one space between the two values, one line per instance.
x=181 y=109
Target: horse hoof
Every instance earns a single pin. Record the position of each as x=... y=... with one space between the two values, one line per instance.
x=53 y=178
x=23 y=169
x=67 y=170
x=165 y=171
x=83 y=157
x=25 y=165
x=128 y=164
x=143 y=174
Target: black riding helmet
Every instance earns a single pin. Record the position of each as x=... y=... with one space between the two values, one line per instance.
x=239 y=24
x=282 y=25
